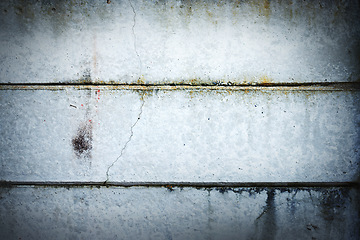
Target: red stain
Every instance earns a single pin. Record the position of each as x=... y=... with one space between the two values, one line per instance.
x=82 y=105
x=89 y=120
x=98 y=94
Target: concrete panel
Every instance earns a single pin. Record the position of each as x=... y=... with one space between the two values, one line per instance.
x=120 y=119
x=248 y=134
x=158 y=213
x=208 y=42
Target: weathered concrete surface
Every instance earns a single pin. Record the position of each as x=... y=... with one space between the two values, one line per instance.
x=179 y=135
x=157 y=213
x=140 y=41
x=187 y=133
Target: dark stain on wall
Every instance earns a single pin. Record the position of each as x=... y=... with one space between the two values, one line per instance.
x=333 y=202
x=266 y=223
x=269 y=231
x=82 y=142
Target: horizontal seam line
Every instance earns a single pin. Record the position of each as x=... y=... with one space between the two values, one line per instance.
x=284 y=84
x=130 y=87
x=9 y=184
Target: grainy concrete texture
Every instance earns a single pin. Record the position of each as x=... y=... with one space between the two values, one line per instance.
x=107 y=109
x=143 y=41
x=158 y=213
x=179 y=135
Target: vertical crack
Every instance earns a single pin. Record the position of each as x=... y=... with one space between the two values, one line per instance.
x=127 y=142
x=135 y=47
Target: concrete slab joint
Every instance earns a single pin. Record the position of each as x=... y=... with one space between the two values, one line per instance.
x=179 y=119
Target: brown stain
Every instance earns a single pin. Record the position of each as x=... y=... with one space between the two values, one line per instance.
x=144 y=92
x=195 y=82
x=141 y=80
x=265 y=81
x=290 y=7
x=267 y=8
x=261 y=7
x=209 y=13
x=248 y=86
x=82 y=142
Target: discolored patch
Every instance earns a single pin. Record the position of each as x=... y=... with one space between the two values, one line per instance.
x=82 y=142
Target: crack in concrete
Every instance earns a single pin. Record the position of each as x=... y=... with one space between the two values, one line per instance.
x=265 y=211
x=127 y=142
x=135 y=47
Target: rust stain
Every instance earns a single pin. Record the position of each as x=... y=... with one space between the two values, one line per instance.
x=141 y=80
x=262 y=7
x=265 y=11
x=194 y=81
x=265 y=80
x=291 y=10
x=267 y=5
x=267 y=84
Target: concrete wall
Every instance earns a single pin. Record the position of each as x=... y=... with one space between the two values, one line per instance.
x=188 y=213
x=179 y=41
x=179 y=119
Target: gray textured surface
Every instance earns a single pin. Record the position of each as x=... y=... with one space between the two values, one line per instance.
x=157 y=213
x=256 y=135
x=115 y=91
x=179 y=41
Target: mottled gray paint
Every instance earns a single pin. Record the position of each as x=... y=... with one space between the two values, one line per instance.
x=179 y=135
x=142 y=41
x=287 y=130
x=157 y=213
